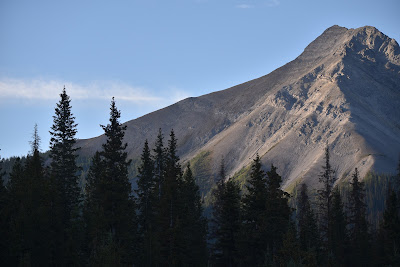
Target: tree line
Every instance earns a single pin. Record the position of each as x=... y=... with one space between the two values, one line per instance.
x=47 y=219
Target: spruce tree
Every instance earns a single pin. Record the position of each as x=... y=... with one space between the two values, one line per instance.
x=390 y=230
x=114 y=220
x=225 y=221
x=194 y=223
x=17 y=192
x=358 y=225
x=64 y=185
x=2 y=185
x=159 y=159
x=170 y=207
x=30 y=205
x=4 y=218
x=63 y=155
x=146 y=206
x=277 y=215
x=92 y=211
x=253 y=242
x=337 y=253
x=327 y=179
x=307 y=225
x=290 y=253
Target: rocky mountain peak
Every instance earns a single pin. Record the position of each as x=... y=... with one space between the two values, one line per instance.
x=344 y=90
x=340 y=41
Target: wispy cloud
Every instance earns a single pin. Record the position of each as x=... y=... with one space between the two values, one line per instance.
x=272 y=3
x=258 y=3
x=50 y=89
x=244 y=6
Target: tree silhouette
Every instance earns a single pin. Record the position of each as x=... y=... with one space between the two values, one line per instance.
x=64 y=184
x=225 y=221
x=254 y=232
x=327 y=179
x=110 y=201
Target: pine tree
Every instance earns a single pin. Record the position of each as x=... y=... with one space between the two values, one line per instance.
x=63 y=155
x=113 y=223
x=170 y=207
x=30 y=205
x=93 y=212
x=307 y=225
x=277 y=216
x=15 y=195
x=225 y=222
x=146 y=206
x=358 y=225
x=253 y=235
x=327 y=179
x=339 y=238
x=16 y=175
x=159 y=159
x=2 y=186
x=4 y=216
x=65 y=188
x=290 y=253
x=194 y=223
x=390 y=230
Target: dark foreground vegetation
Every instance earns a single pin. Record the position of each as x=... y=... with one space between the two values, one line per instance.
x=47 y=219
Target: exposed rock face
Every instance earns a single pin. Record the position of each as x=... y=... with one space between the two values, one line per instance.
x=344 y=90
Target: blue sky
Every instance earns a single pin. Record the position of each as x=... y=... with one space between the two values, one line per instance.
x=150 y=53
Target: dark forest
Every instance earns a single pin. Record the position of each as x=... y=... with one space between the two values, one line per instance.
x=49 y=217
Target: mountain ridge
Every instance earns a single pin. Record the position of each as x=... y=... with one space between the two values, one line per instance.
x=345 y=82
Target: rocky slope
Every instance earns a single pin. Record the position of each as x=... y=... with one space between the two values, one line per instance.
x=344 y=90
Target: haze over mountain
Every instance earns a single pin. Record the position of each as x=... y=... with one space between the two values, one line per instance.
x=344 y=90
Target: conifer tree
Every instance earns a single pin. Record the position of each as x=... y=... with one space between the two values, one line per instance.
x=290 y=253
x=277 y=216
x=253 y=233
x=113 y=223
x=327 y=179
x=225 y=222
x=15 y=195
x=337 y=253
x=30 y=204
x=146 y=206
x=159 y=159
x=64 y=183
x=358 y=225
x=2 y=186
x=4 y=216
x=307 y=224
x=170 y=207
x=63 y=154
x=16 y=175
x=390 y=231
x=193 y=222
x=93 y=212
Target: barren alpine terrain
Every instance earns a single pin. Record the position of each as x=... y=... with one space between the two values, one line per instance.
x=343 y=90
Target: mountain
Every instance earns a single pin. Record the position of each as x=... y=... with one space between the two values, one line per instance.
x=344 y=90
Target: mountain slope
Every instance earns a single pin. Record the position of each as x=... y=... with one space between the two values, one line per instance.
x=344 y=90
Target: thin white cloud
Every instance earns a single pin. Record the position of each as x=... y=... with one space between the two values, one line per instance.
x=258 y=3
x=272 y=3
x=49 y=90
x=244 y=6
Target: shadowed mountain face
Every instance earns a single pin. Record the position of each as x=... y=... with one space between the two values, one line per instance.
x=344 y=90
